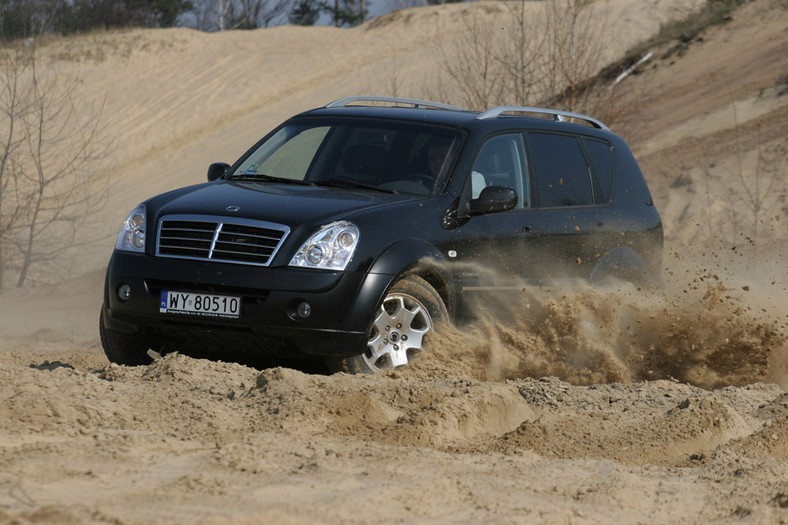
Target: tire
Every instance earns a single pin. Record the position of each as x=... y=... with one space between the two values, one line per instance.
x=407 y=317
x=123 y=349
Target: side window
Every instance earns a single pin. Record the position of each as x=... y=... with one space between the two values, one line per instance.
x=501 y=162
x=602 y=159
x=563 y=177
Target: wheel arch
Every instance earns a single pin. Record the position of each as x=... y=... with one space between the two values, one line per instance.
x=624 y=263
x=403 y=258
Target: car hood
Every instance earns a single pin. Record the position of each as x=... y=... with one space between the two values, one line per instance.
x=287 y=204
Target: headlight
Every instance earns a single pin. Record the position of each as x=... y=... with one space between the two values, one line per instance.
x=132 y=233
x=331 y=248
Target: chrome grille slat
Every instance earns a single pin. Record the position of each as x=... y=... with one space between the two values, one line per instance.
x=250 y=251
x=221 y=239
x=251 y=247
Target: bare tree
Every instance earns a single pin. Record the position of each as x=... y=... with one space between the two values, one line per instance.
x=572 y=52
x=52 y=184
x=220 y=15
x=742 y=186
x=519 y=53
x=472 y=64
x=387 y=77
x=754 y=195
x=208 y=15
x=13 y=102
x=545 y=53
x=251 y=14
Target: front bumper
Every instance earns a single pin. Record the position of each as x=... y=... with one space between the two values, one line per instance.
x=341 y=303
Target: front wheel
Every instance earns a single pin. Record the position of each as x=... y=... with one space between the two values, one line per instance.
x=122 y=349
x=405 y=320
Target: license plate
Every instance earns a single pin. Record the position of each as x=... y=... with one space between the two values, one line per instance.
x=205 y=305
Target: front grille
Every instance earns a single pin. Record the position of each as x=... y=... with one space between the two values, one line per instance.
x=223 y=239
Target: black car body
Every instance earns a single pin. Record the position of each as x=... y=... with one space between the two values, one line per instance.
x=510 y=197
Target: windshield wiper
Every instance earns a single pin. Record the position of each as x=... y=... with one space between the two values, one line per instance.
x=270 y=178
x=349 y=184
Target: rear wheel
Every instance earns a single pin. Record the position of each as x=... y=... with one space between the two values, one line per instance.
x=407 y=317
x=123 y=349
x=621 y=264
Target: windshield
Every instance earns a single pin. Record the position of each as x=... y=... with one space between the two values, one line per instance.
x=363 y=155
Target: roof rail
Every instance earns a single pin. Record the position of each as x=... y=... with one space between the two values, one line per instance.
x=346 y=101
x=558 y=115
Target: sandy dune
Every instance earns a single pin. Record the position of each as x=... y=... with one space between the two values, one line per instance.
x=185 y=440
x=609 y=406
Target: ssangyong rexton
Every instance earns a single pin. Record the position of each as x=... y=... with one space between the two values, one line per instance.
x=352 y=230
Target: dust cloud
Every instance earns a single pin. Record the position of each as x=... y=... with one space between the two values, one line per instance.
x=709 y=328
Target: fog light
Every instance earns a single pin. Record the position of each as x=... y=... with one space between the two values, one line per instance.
x=304 y=310
x=124 y=292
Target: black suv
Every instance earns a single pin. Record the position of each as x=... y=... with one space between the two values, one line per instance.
x=352 y=230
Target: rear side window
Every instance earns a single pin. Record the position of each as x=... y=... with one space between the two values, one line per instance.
x=602 y=159
x=562 y=174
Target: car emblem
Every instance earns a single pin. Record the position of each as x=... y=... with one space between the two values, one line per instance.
x=233 y=208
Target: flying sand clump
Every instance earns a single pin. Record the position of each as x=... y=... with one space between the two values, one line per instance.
x=708 y=332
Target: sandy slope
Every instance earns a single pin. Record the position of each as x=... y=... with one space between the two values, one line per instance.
x=669 y=408
x=176 y=100
x=186 y=440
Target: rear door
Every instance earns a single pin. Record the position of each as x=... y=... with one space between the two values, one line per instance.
x=571 y=201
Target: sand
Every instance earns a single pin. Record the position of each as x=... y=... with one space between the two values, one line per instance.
x=567 y=406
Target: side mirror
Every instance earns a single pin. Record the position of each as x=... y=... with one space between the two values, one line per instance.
x=494 y=199
x=216 y=170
